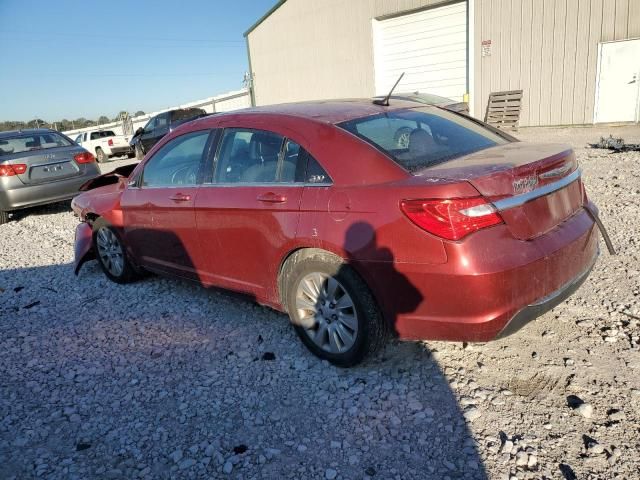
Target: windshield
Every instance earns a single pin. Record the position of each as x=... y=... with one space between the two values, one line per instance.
x=102 y=134
x=36 y=141
x=423 y=137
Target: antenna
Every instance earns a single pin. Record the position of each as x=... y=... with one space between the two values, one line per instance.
x=385 y=101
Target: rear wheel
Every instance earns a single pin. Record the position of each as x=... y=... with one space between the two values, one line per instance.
x=101 y=157
x=139 y=152
x=131 y=154
x=111 y=253
x=4 y=217
x=332 y=310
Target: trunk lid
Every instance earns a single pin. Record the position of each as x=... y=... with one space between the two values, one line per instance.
x=49 y=165
x=534 y=186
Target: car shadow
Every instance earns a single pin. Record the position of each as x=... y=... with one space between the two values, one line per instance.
x=198 y=369
x=51 y=208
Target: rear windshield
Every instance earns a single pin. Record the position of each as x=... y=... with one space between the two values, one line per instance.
x=37 y=141
x=423 y=137
x=102 y=134
x=179 y=115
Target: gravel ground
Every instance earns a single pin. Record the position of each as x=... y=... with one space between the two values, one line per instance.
x=162 y=379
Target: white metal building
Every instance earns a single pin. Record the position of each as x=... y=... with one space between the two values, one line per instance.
x=577 y=61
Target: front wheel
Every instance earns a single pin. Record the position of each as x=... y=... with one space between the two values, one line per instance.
x=333 y=311
x=4 y=217
x=111 y=253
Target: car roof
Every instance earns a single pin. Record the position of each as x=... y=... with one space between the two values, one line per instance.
x=330 y=111
x=26 y=131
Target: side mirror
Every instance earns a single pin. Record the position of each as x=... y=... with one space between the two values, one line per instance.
x=139 y=131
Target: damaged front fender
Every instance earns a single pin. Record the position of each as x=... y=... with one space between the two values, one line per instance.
x=83 y=246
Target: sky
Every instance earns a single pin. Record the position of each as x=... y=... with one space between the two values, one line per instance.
x=74 y=58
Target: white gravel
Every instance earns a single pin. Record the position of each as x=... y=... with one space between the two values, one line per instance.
x=162 y=379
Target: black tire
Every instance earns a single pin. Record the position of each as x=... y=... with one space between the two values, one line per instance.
x=138 y=152
x=128 y=273
x=131 y=154
x=372 y=331
x=4 y=217
x=101 y=157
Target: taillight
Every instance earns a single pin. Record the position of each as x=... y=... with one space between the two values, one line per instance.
x=451 y=219
x=9 y=170
x=84 y=157
x=110 y=142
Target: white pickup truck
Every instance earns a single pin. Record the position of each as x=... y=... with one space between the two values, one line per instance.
x=105 y=144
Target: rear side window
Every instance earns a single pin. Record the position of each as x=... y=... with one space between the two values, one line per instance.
x=177 y=162
x=258 y=156
x=26 y=143
x=102 y=134
x=248 y=156
x=423 y=137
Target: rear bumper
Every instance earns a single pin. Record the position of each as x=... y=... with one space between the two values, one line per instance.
x=120 y=150
x=491 y=285
x=24 y=196
x=531 y=312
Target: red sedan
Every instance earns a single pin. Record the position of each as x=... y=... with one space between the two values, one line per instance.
x=358 y=220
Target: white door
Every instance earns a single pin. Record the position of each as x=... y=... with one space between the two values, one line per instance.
x=430 y=47
x=618 y=88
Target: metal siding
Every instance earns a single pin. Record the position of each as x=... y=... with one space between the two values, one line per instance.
x=533 y=96
x=526 y=15
x=620 y=26
x=546 y=72
x=569 y=63
x=580 y=69
x=633 y=22
x=595 y=34
x=515 y=25
x=557 y=41
x=608 y=21
x=555 y=63
x=316 y=50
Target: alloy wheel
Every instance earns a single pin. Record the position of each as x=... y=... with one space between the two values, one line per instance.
x=110 y=251
x=327 y=312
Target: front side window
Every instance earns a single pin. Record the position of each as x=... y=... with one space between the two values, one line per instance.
x=78 y=138
x=26 y=143
x=161 y=121
x=422 y=137
x=151 y=124
x=176 y=163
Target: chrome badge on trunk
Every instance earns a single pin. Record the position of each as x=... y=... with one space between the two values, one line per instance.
x=525 y=184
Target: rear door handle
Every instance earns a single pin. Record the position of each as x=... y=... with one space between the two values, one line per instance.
x=272 y=198
x=180 y=197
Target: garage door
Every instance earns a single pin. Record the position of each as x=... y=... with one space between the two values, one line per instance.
x=429 y=46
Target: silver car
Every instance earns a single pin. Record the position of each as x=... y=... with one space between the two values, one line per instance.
x=40 y=166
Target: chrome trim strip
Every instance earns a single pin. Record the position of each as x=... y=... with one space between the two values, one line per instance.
x=518 y=200
x=229 y=185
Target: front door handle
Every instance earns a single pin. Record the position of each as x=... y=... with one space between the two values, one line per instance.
x=180 y=197
x=272 y=198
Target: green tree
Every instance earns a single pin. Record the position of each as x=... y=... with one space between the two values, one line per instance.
x=103 y=119
x=139 y=113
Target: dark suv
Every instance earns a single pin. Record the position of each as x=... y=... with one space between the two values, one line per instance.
x=157 y=127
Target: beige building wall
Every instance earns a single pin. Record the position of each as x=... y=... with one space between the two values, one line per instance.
x=318 y=49
x=549 y=49
x=309 y=50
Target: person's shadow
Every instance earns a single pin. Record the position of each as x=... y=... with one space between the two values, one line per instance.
x=364 y=253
